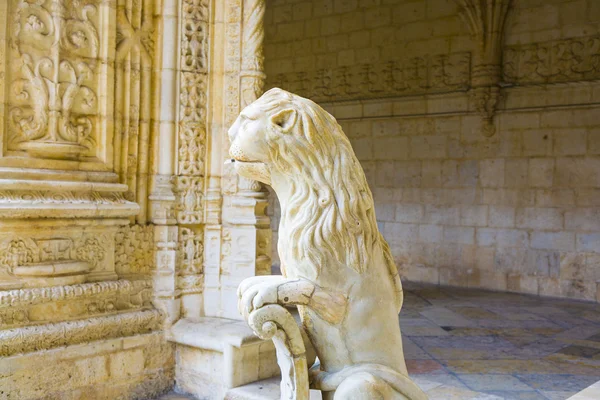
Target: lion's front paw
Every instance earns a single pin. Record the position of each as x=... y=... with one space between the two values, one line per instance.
x=257 y=291
x=257 y=296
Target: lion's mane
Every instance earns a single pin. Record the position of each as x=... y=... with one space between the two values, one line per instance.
x=330 y=217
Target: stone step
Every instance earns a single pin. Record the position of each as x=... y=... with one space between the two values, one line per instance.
x=267 y=389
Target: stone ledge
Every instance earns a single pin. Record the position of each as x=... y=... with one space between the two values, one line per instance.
x=216 y=354
x=47 y=336
x=212 y=333
x=21 y=198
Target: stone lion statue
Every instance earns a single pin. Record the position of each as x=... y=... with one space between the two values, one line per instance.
x=337 y=268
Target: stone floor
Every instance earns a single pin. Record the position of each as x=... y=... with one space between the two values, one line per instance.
x=477 y=345
x=473 y=344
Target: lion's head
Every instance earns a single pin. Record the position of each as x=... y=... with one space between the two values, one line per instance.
x=328 y=214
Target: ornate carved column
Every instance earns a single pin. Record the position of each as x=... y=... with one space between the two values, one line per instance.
x=485 y=19
x=245 y=235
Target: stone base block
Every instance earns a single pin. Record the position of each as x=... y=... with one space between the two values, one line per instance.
x=214 y=355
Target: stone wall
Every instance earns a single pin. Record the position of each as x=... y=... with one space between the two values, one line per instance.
x=138 y=367
x=508 y=204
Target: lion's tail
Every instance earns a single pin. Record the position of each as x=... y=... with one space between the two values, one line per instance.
x=393 y=270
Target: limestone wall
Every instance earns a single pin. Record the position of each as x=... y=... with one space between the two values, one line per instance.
x=509 y=205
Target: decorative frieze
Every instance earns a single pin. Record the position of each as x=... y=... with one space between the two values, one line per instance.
x=418 y=75
x=51 y=304
x=32 y=296
x=569 y=60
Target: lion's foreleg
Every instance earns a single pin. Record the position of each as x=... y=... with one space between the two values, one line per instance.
x=331 y=306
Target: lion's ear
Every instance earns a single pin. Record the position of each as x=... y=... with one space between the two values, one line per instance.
x=284 y=119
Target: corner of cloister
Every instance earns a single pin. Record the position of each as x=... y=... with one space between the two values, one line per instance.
x=124 y=235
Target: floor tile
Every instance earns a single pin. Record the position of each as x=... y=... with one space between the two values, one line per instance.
x=558 y=382
x=488 y=382
x=424 y=367
x=445 y=317
x=580 y=351
x=506 y=395
x=550 y=395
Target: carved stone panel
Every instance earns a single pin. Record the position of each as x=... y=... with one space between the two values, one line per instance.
x=56 y=99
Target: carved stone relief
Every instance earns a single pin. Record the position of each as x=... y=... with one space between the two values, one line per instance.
x=191 y=152
x=569 y=60
x=134 y=250
x=54 y=259
x=419 y=75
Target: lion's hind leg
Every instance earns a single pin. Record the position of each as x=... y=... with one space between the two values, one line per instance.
x=364 y=386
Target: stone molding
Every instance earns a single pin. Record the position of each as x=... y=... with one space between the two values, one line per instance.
x=27 y=307
x=32 y=296
x=43 y=337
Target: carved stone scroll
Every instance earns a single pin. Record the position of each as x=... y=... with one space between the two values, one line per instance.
x=276 y=323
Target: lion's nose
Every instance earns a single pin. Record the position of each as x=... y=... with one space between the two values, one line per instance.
x=236 y=153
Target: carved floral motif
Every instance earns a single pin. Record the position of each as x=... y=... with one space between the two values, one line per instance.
x=190 y=195
x=439 y=73
x=191 y=152
x=190 y=251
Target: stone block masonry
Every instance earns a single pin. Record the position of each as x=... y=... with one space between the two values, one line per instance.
x=517 y=211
